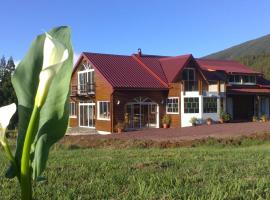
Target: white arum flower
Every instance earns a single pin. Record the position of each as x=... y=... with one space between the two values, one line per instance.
x=6 y=112
x=54 y=53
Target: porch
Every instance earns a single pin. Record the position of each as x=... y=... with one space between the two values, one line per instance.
x=243 y=104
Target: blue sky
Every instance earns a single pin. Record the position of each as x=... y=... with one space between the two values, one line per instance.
x=166 y=27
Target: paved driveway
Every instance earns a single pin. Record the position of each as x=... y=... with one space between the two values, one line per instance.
x=190 y=133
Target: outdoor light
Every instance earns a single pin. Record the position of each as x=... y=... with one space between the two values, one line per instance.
x=118 y=102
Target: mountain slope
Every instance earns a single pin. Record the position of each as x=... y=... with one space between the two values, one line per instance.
x=254 y=53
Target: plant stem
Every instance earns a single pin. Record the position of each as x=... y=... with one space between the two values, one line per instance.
x=26 y=182
x=10 y=156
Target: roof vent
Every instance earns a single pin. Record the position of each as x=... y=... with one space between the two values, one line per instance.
x=139 y=52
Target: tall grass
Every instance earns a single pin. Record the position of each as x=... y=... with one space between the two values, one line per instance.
x=204 y=172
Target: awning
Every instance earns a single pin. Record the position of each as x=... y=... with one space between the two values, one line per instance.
x=260 y=91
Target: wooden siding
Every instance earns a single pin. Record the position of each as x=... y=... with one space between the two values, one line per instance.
x=103 y=91
x=175 y=91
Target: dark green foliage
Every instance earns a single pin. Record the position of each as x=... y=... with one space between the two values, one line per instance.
x=254 y=53
x=259 y=63
x=7 y=93
x=259 y=46
x=10 y=67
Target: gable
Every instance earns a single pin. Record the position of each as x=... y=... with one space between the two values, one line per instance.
x=173 y=66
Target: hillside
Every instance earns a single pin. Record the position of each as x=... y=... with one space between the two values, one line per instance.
x=254 y=53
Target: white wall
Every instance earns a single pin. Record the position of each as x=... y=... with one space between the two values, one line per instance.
x=213 y=88
x=185 y=117
x=222 y=87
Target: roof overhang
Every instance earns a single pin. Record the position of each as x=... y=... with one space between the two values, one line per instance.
x=249 y=91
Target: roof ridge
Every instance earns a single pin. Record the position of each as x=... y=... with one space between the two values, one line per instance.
x=175 y=57
x=108 y=54
x=149 y=70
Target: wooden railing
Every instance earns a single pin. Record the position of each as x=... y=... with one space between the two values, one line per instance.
x=83 y=89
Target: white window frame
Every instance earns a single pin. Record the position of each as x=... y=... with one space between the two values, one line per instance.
x=172 y=103
x=82 y=72
x=98 y=109
x=79 y=112
x=72 y=115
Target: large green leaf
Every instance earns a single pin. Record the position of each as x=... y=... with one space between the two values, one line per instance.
x=53 y=118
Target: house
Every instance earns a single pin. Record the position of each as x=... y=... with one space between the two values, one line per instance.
x=139 y=89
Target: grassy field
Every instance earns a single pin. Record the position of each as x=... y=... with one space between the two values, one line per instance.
x=204 y=172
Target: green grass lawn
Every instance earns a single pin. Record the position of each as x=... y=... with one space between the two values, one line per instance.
x=206 y=172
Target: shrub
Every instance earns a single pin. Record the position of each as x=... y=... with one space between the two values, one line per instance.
x=166 y=119
x=264 y=118
x=193 y=121
x=225 y=116
x=255 y=118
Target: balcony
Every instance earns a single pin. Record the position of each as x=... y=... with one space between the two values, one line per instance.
x=190 y=86
x=83 y=89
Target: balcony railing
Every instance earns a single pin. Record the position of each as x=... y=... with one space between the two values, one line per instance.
x=83 y=89
x=190 y=85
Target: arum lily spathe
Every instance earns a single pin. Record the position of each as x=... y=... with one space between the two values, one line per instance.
x=54 y=53
x=6 y=112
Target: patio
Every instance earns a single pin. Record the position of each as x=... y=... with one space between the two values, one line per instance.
x=191 y=133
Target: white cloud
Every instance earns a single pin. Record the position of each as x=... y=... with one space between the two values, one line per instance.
x=16 y=62
x=75 y=57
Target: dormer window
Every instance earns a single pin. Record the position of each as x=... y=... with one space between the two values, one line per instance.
x=242 y=79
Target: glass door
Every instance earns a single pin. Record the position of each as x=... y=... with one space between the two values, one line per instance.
x=141 y=115
x=87 y=115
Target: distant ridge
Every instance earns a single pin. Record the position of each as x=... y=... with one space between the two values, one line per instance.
x=254 y=53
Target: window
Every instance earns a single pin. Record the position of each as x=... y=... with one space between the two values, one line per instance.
x=237 y=79
x=72 y=109
x=172 y=105
x=249 y=79
x=104 y=110
x=210 y=104
x=86 y=81
x=190 y=83
x=189 y=74
x=191 y=105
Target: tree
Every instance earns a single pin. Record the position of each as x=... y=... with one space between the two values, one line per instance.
x=10 y=66
x=7 y=93
x=2 y=67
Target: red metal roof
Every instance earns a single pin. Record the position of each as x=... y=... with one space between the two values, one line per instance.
x=173 y=65
x=155 y=72
x=228 y=66
x=152 y=62
x=124 y=71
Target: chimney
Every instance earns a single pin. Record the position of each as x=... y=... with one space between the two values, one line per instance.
x=139 y=52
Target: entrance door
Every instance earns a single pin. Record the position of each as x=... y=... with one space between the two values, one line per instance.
x=87 y=115
x=142 y=115
x=243 y=107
